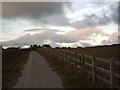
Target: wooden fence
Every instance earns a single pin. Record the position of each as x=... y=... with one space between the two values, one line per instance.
x=90 y=64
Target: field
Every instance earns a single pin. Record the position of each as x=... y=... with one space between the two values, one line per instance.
x=13 y=60
x=107 y=51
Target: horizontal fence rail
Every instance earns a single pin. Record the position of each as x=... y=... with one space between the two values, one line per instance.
x=78 y=62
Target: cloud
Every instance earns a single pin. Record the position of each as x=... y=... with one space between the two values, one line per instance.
x=28 y=39
x=114 y=7
x=119 y=39
x=30 y=9
x=46 y=35
x=40 y=29
x=85 y=34
x=51 y=36
x=116 y=13
x=113 y=39
x=23 y=40
x=37 y=12
x=85 y=44
x=33 y=30
x=55 y=19
x=94 y=19
x=52 y=14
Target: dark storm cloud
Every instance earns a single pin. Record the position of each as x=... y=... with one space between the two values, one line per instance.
x=33 y=30
x=40 y=29
x=37 y=12
x=30 y=9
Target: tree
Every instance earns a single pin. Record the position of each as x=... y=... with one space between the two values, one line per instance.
x=46 y=46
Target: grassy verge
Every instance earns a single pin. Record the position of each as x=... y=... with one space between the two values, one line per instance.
x=13 y=61
x=69 y=80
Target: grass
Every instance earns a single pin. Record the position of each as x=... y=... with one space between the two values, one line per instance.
x=69 y=80
x=100 y=51
x=13 y=61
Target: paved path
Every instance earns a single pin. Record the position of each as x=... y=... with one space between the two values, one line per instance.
x=38 y=74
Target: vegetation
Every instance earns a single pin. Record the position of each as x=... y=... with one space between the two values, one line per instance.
x=105 y=51
x=46 y=46
x=70 y=79
x=13 y=60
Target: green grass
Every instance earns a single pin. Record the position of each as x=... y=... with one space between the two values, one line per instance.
x=13 y=61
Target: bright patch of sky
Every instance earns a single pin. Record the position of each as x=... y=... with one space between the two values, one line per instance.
x=69 y=44
x=85 y=8
x=109 y=28
x=98 y=39
x=26 y=46
x=14 y=28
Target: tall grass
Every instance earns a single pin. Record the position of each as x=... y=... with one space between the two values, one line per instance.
x=13 y=60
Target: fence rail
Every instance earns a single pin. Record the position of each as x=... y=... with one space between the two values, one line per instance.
x=78 y=61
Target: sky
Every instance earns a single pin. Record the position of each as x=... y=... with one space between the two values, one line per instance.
x=64 y=24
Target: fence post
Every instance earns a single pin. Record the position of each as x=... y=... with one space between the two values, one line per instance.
x=112 y=72
x=93 y=70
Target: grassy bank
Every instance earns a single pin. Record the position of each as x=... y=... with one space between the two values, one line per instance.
x=13 y=60
x=69 y=80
